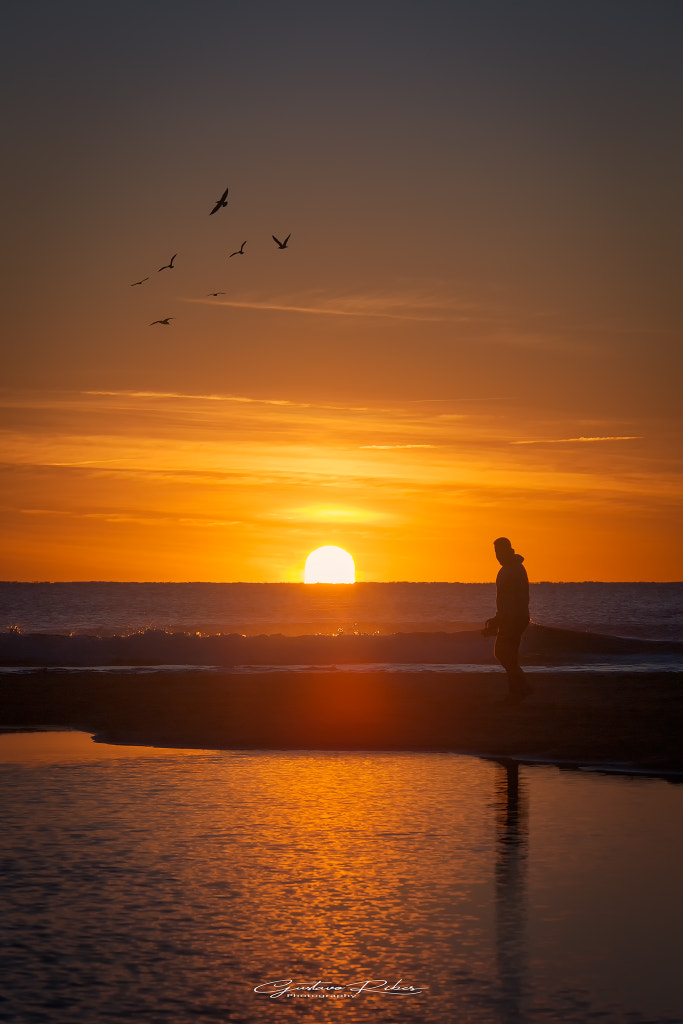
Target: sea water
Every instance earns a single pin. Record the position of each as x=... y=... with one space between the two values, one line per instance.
x=188 y=887
x=650 y=610
x=389 y=627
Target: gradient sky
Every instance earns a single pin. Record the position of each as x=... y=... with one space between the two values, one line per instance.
x=475 y=329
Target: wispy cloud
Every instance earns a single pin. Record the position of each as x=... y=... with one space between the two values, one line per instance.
x=327 y=514
x=325 y=311
x=402 y=304
x=573 y=440
x=244 y=400
x=199 y=398
x=151 y=518
x=86 y=462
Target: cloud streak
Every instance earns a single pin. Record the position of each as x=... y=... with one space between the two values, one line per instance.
x=146 y=519
x=574 y=440
x=245 y=400
x=324 y=311
x=399 y=305
x=199 y=398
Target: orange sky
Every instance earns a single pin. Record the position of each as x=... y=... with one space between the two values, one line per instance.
x=475 y=329
x=126 y=485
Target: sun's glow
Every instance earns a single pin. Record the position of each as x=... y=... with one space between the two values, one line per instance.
x=329 y=564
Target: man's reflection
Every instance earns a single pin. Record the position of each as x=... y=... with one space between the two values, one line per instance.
x=510 y=884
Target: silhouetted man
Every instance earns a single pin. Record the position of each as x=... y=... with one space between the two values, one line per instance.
x=511 y=618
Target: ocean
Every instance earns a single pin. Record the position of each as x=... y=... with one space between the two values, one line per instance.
x=653 y=610
x=630 y=626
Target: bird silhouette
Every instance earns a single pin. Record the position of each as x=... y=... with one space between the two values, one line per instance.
x=282 y=245
x=166 y=322
x=168 y=266
x=238 y=252
x=139 y=282
x=223 y=201
x=215 y=293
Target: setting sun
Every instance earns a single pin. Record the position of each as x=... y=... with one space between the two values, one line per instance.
x=329 y=564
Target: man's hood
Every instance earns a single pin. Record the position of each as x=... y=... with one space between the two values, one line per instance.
x=512 y=558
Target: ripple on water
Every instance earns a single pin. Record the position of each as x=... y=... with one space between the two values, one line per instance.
x=164 y=886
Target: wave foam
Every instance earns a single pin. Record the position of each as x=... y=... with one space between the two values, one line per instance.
x=541 y=646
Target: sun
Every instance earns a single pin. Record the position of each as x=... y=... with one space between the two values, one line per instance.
x=329 y=564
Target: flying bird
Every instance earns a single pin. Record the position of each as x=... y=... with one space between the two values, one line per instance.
x=238 y=252
x=166 y=322
x=215 y=293
x=139 y=282
x=282 y=245
x=223 y=201
x=168 y=266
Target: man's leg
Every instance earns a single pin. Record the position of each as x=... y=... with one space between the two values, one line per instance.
x=506 y=651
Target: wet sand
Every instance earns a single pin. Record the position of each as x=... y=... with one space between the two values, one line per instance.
x=632 y=720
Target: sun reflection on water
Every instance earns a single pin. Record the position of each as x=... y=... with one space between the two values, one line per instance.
x=171 y=886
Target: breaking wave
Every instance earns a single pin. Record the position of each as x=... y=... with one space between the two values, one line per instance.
x=541 y=646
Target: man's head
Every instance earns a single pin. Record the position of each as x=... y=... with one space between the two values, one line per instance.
x=503 y=549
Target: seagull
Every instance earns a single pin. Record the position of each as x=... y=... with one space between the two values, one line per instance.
x=239 y=252
x=282 y=245
x=169 y=266
x=223 y=201
x=139 y=282
x=215 y=293
x=166 y=322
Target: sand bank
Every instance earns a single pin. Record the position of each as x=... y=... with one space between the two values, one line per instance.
x=633 y=720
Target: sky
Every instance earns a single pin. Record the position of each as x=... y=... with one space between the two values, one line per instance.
x=474 y=331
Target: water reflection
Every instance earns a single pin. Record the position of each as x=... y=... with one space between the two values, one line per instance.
x=168 y=888
x=512 y=833
x=61 y=746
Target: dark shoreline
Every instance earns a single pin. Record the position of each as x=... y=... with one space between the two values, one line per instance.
x=618 y=721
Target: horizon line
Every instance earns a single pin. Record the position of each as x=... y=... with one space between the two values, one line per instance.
x=464 y=583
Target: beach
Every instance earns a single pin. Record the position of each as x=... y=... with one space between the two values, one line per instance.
x=605 y=719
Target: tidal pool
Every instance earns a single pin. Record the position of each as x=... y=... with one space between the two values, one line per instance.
x=177 y=886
